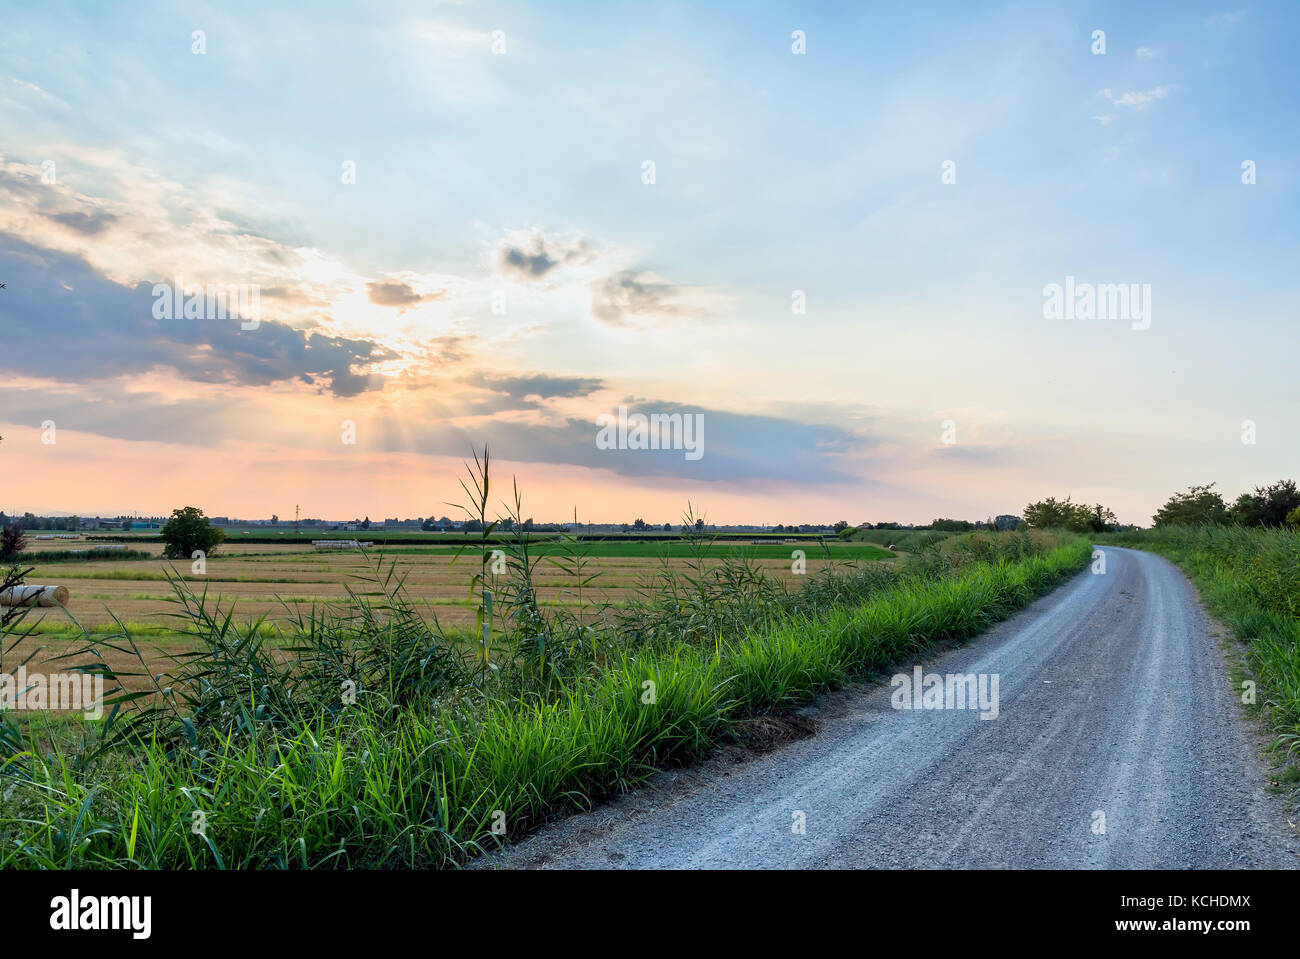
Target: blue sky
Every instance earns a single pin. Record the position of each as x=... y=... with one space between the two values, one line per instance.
x=774 y=173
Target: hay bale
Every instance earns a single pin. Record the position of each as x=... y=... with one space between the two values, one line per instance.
x=34 y=596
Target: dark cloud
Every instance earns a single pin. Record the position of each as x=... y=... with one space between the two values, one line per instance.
x=101 y=329
x=392 y=293
x=736 y=448
x=539 y=385
x=87 y=224
x=540 y=257
x=631 y=293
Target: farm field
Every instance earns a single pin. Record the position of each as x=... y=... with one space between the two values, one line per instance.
x=261 y=579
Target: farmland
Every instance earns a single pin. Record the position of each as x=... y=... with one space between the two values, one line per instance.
x=376 y=728
x=273 y=583
x=261 y=578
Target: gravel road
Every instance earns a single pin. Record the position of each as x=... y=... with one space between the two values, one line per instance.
x=1114 y=711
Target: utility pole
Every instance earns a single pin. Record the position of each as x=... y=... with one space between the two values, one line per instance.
x=297 y=528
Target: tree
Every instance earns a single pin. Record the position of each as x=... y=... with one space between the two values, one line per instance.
x=699 y=525
x=1200 y=504
x=1268 y=505
x=952 y=525
x=189 y=530
x=1293 y=518
x=841 y=526
x=1052 y=513
x=1101 y=519
x=12 y=541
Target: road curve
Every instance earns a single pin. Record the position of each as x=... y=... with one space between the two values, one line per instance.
x=1113 y=702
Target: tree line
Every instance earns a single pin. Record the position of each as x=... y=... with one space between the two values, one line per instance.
x=1275 y=505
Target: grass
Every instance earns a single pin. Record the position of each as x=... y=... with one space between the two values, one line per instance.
x=1250 y=579
x=423 y=783
x=362 y=734
x=85 y=555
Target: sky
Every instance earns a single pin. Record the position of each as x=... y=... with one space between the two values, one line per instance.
x=826 y=233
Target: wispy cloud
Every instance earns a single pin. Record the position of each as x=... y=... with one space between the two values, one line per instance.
x=1138 y=99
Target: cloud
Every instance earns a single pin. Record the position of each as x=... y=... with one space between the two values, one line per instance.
x=540 y=385
x=1104 y=120
x=1145 y=53
x=43 y=94
x=289 y=294
x=395 y=293
x=1138 y=100
x=65 y=320
x=535 y=257
x=737 y=447
x=87 y=224
x=631 y=294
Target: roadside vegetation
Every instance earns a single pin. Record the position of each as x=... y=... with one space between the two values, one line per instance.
x=362 y=734
x=1244 y=558
x=1250 y=580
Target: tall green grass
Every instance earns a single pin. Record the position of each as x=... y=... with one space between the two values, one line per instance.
x=365 y=735
x=1250 y=579
x=434 y=761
